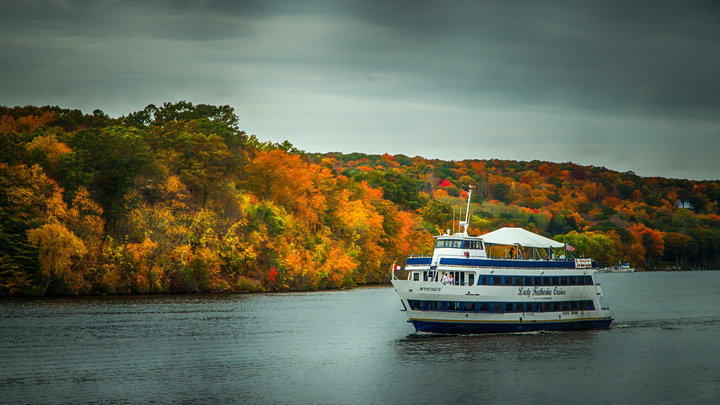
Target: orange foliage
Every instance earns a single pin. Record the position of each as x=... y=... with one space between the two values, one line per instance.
x=50 y=146
x=28 y=123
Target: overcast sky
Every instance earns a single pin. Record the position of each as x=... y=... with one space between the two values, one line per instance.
x=628 y=85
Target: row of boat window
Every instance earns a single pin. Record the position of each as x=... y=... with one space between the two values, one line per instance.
x=502 y=307
x=534 y=280
x=459 y=244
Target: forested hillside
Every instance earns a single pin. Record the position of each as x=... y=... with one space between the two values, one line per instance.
x=177 y=198
x=650 y=222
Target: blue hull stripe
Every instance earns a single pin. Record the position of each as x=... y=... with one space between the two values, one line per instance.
x=419 y=260
x=489 y=327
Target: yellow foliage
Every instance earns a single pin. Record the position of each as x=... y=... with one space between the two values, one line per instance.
x=50 y=146
x=58 y=251
x=439 y=194
x=85 y=219
x=338 y=266
x=173 y=184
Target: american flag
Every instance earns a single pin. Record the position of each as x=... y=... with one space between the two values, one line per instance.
x=570 y=248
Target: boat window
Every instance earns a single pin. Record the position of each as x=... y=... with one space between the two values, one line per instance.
x=449 y=243
x=416 y=276
x=523 y=280
x=473 y=244
x=502 y=307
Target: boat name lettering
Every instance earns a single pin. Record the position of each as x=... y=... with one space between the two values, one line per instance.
x=528 y=292
x=429 y=288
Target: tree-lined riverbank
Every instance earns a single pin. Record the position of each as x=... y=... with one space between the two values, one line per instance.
x=177 y=198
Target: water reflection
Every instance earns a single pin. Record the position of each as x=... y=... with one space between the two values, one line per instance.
x=522 y=346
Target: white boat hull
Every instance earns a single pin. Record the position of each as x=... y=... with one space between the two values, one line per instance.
x=435 y=307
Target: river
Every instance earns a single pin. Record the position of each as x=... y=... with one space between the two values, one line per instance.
x=354 y=347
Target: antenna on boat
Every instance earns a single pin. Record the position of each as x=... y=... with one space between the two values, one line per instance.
x=453 y=221
x=466 y=223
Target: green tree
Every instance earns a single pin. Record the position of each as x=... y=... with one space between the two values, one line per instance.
x=437 y=213
x=113 y=159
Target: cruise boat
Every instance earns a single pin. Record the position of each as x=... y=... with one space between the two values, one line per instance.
x=508 y=280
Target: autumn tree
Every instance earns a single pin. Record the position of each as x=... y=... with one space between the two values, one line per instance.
x=677 y=246
x=59 y=251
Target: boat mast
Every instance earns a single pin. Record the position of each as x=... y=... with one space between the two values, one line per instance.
x=467 y=212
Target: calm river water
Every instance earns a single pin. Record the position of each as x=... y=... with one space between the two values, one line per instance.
x=355 y=347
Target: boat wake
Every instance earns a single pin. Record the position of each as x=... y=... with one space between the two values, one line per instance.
x=669 y=324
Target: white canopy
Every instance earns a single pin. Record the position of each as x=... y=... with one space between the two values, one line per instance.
x=519 y=236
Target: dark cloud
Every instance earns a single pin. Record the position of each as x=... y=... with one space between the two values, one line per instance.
x=647 y=56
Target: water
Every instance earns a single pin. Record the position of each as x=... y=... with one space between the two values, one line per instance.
x=355 y=347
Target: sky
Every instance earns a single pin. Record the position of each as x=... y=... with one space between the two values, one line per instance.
x=628 y=85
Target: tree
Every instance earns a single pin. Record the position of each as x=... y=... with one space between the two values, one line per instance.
x=501 y=192
x=114 y=157
x=58 y=251
x=397 y=187
x=437 y=213
x=290 y=182
x=652 y=240
x=677 y=246
x=181 y=111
